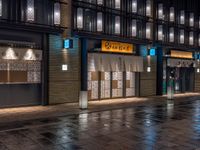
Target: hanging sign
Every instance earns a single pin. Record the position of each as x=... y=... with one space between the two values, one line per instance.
x=116 y=47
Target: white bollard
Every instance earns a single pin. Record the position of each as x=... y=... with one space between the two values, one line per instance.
x=83 y=100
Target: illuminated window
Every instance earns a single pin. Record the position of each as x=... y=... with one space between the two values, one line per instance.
x=79 y=18
x=0 y=8
x=171 y=14
x=148 y=8
x=171 y=34
x=134 y=28
x=160 y=11
x=191 y=22
x=134 y=6
x=99 y=2
x=117 y=4
x=182 y=17
x=199 y=40
x=99 y=22
x=160 y=32
x=199 y=22
x=117 y=25
x=56 y=13
x=182 y=36
x=148 y=30
x=191 y=38
x=30 y=15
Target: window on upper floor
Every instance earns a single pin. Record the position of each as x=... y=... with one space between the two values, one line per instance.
x=99 y=22
x=199 y=40
x=1 y=11
x=148 y=30
x=191 y=20
x=134 y=28
x=181 y=36
x=99 y=2
x=57 y=13
x=171 y=14
x=191 y=38
x=134 y=6
x=182 y=17
x=160 y=11
x=79 y=18
x=160 y=32
x=148 y=8
x=117 y=4
x=171 y=34
x=117 y=25
x=30 y=12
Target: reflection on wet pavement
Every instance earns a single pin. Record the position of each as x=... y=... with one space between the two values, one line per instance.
x=168 y=126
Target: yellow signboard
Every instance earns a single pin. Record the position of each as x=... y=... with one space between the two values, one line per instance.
x=181 y=54
x=116 y=47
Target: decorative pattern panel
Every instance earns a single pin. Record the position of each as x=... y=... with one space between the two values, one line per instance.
x=93 y=85
x=117 y=84
x=105 y=85
x=130 y=84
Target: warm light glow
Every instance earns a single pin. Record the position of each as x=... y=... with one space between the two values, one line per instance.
x=99 y=22
x=148 y=30
x=117 y=25
x=182 y=38
x=79 y=18
x=10 y=54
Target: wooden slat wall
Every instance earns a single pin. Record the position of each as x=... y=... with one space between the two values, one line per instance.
x=148 y=79
x=197 y=82
x=63 y=86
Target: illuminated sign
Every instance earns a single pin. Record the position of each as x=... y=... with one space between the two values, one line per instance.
x=117 y=47
x=181 y=54
x=152 y=52
x=68 y=43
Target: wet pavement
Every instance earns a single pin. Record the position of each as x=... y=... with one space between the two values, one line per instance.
x=172 y=126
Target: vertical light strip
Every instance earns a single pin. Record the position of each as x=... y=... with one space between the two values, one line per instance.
x=56 y=13
x=134 y=6
x=199 y=40
x=117 y=24
x=160 y=11
x=30 y=10
x=160 y=32
x=1 y=8
x=134 y=28
x=171 y=14
x=191 y=38
x=191 y=22
x=171 y=34
x=79 y=18
x=99 y=22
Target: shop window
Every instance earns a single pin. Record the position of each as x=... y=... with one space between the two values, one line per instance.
x=160 y=11
x=191 y=38
x=182 y=17
x=148 y=30
x=148 y=8
x=80 y=18
x=134 y=6
x=117 y=4
x=191 y=21
x=30 y=14
x=171 y=34
x=171 y=14
x=160 y=32
x=56 y=13
x=99 y=22
x=134 y=28
x=181 y=36
x=117 y=24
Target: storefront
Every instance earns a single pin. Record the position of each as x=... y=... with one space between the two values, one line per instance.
x=112 y=71
x=20 y=76
x=179 y=72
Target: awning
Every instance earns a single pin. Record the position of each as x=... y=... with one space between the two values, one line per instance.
x=113 y=62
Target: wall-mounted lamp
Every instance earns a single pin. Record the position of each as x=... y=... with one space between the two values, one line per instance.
x=64 y=67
